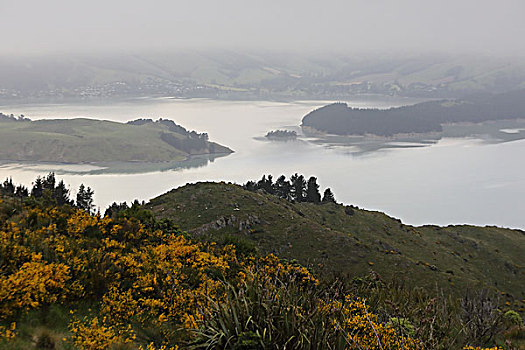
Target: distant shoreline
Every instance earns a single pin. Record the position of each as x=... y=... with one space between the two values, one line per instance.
x=314 y=132
x=421 y=118
x=284 y=99
x=310 y=131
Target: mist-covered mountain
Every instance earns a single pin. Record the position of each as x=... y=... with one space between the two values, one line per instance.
x=233 y=75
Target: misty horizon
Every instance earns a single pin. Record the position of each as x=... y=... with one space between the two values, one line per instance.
x=402 y=27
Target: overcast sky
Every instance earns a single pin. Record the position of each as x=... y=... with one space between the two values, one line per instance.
x=454 y=26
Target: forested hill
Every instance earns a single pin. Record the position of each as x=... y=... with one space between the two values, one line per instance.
x=99 y=141
x=340 y=119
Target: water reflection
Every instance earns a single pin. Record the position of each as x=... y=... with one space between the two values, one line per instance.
x=116 y=168
x=491 y=132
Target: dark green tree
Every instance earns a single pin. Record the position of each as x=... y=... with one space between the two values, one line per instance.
x=298 y=189
x=250 y=186
x=328 y=196
x=266 y=184
x=85 y=198
x=21 y=191
x=115 y=209
x=8 y=187
x=38 y=188
x=48 y=183
x=138 y=211
x=312 y=191
x=61 y=193
x=282 y=187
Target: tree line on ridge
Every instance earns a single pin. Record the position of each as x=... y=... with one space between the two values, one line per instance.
x=297 y=189
x=47 y=189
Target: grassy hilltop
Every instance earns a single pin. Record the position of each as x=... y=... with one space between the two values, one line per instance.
x=338 y=239
x=96 y=141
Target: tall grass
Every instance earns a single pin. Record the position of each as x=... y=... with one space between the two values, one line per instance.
x=282 y=313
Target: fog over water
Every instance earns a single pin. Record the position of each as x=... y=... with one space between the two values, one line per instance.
x=456 y=181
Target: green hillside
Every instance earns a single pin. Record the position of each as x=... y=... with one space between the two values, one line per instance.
x=97 y=141
x=71 y=278
x=338 y=239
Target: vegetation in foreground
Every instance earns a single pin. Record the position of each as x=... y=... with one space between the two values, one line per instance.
x=71 y=279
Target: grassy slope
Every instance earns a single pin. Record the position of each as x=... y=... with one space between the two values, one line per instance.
x=86 y=140
x=332 y=240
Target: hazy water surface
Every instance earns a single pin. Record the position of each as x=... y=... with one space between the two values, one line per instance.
x=456 y=180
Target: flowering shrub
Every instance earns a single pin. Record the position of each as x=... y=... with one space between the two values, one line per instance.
x=151 y=284
x=36 y=283
x=157 y=290
x=7 y=333
x=92 y=335
x=362 y=329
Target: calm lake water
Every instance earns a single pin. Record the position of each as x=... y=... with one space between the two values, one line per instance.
x=451 y=181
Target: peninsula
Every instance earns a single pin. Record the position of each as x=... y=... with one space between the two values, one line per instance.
x=82 y=140
x=425 y=117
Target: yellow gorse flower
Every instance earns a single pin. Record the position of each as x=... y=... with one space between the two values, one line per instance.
x=146 y=281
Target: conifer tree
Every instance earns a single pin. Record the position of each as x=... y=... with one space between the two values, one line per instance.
x=312 y=191
x=21 y=191
x=250 y=186
x=298 y=187
x=85 y=198
x=48 y=183
x=266 y=184
x=61 y=193
x=282 y=187
x=8 y=187
x=38 y=188
x=328 y=196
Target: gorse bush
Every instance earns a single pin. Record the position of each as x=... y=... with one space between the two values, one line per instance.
x=150 y=287
x=153 y=286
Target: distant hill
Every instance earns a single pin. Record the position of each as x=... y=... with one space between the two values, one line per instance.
x=424 y=117
x=235 y=75
x=337 y=239
x=98 y=141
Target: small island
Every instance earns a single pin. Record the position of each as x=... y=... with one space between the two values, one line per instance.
x=81 y=140
x=281 y=135
x=425 y=117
